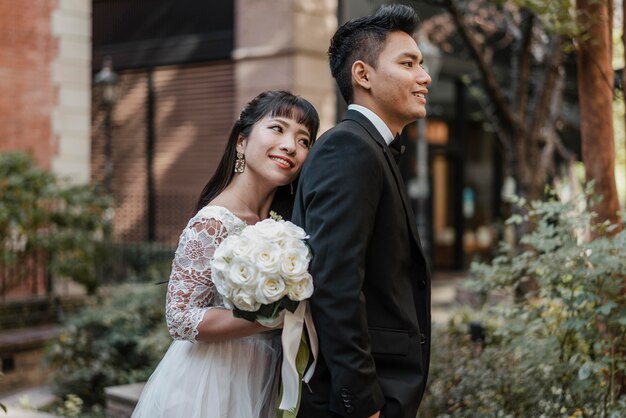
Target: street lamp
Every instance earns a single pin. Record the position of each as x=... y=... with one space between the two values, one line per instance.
x=106 y=82
x=419 y=188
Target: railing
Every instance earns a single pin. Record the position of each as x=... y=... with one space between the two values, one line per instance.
x=128 y=257
x=135 y=262
x=27 y=275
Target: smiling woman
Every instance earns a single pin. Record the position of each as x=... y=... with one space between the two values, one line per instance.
x=265 y=151
x=281 y=107
x=274 y=142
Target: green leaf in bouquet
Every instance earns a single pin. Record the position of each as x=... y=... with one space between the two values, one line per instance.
x=290 y=305
x=247 y=315
x=265 y=311
x=269 y=311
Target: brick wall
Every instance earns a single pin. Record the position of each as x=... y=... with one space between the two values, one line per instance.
x=28 y=96
x=193 y=114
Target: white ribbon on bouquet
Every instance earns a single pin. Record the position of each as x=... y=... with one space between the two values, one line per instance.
x=291 y=338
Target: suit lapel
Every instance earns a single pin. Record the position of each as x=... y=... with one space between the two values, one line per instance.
x=359 y=118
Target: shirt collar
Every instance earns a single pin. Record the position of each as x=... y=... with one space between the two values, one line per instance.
x=378 y=123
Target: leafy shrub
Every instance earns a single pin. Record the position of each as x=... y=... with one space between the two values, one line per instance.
x=118 y=342
x=557 y=351
x=38 y=214
x=136 y=262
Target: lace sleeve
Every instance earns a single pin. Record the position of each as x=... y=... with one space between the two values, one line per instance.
x=190 y=291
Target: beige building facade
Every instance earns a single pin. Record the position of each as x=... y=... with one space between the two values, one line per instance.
x=283 y=45
x=71 y=75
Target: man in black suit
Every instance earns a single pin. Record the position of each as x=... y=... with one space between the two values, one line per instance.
x=371 y=304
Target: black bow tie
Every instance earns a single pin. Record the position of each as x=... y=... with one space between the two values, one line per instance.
x=396 y=147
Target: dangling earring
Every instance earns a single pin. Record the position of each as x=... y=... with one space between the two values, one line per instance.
x=240 y=163
x=291 y=187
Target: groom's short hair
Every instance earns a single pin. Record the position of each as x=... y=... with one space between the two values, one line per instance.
x=363 y=39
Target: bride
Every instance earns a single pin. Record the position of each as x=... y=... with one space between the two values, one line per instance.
x=219 y=366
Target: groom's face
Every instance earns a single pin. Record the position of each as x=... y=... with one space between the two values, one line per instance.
x=399 y=83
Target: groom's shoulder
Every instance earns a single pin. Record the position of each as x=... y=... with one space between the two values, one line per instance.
x=344 y=139
x=346 y=130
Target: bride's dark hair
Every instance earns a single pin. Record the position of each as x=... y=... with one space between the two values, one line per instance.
x=274 y=103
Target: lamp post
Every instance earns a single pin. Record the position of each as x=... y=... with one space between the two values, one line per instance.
x=106 y=82
x=419 y=187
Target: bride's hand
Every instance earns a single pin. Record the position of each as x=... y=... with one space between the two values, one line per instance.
x=273 y=323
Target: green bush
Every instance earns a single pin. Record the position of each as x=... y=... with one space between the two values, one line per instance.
x=40 y=215
x=137 y=262
x=118 y=342
x=557 y=351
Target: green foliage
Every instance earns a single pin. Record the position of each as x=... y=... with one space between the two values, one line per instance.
x=557 y=16
x=118 y=342
x=558 y=351
x=137 y=262
x=40 y=215
x=71 y=407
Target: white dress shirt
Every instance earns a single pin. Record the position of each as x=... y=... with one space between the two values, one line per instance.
x=382 y=128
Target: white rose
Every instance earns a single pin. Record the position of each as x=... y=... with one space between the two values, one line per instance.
x=221 y=285
x=245 y=301
x=267 y=229
x=293 y=263
x=241 y=274
x=219 y=270
x=301 y=247
x=270 y=289
x=242 y=245
x=301 y=289
x=283 y=243
x=294 y=231
x=219 y=265
x=267 y=257
x=225 y=247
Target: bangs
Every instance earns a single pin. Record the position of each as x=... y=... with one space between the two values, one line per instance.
x=298 y=110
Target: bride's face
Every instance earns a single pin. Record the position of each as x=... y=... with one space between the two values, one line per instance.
x=275 y=149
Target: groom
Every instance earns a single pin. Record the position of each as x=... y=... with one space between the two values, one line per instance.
x=371 y=305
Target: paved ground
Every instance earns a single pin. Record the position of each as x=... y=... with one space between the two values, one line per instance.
x=447 y=293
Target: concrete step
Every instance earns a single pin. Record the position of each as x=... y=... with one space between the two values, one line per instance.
x=121 y=400
x=23 y=413
x=35 y=397
x=21 y=353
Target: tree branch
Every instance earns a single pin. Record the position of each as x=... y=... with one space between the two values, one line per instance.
x=555 y=84
x=524 y=65
x=542 y=109
x=493 y=89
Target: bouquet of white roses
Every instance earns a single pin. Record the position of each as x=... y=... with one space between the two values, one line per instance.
x=263 y=270
x=259 y=273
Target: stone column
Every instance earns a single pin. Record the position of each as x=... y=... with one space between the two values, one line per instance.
x=282 y=44
x=71 y=75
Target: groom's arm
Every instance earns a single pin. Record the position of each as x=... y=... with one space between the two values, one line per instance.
x=338 y=199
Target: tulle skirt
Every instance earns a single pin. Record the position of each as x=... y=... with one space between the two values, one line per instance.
x=227 y=379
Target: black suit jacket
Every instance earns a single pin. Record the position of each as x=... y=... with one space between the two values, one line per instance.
x=371 y=304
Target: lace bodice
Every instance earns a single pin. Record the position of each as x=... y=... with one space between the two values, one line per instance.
x=190 y=291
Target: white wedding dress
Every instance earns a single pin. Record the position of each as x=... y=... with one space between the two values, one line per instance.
x=228 y=379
